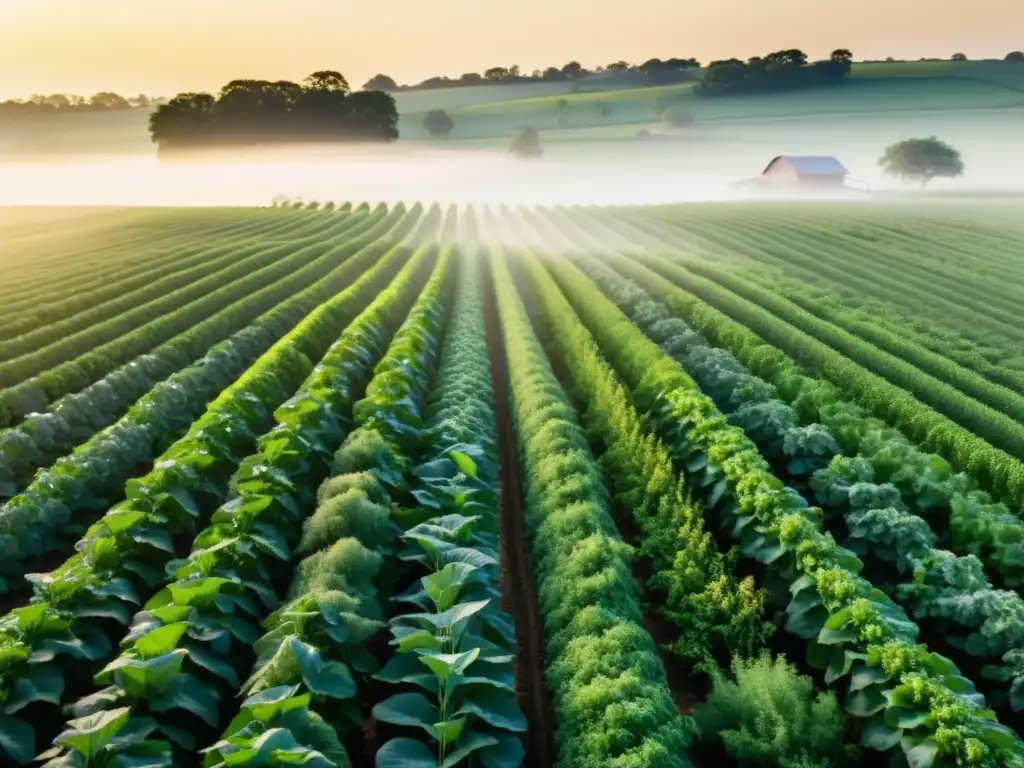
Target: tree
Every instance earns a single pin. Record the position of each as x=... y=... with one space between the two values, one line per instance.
x=380 y=83
x=438 y=123
x=496 y=74
x=525 y=143
x=574 y=70
x=617 y=66
x=327 y=80
x=922 y=160
x=107 y=100
x=959 y=57
x=842 y=59
x=1015 y=56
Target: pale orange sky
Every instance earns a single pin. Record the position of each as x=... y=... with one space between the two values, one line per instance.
x=162 y=47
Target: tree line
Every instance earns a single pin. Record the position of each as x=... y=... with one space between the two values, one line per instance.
x=104 y=101
x=322 y=108
x=777 y=71
x=652 y=71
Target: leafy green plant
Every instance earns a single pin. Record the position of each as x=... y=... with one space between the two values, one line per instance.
x=192 y=636
x=855 y=630
x=874 y=492
x=768 y=716
x=607 y=684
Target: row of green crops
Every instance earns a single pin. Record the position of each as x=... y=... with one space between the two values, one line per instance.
x=63 y=368
x=906 y=695
x=608 y=687
x=873 y=263
x=880 y=489
x=83 y=279
x=455 y=651
x=37 y=355
x=120 y=560
x=991 y=467
x=43 y=437
x=955 y=402
x=186 y=647
x=692 y=584
x=54 y=507
x=804 y=264
x=312 y=660
x=991 y=357
x=183 y=279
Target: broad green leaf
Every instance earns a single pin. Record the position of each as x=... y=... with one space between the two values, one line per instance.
x=444 y=586
x=411 y=709
x=89 y=735
x=879 y=735
x=507 y=753
x=405 y=753
x=43 y=682
x=138 y=677
x=920 y=751
x=17 y=739
x=447 y=665
x=160 y=641
x=495 y=707
x=468 y=744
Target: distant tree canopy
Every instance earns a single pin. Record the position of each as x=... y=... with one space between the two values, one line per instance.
x=380 y=83
x=778 y=71
x=66 y=102
x=1015 y=56
x=260 y=112
x=921 y=160
x=651 y=71
x=438 y=123
x=525 y=143
x=959 y=57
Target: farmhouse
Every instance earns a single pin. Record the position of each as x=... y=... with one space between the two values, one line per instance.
x=803 y=173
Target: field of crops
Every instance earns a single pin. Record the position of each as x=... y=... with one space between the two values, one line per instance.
x=420 y=486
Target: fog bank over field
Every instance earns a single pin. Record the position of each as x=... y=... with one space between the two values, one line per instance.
x=696 y=164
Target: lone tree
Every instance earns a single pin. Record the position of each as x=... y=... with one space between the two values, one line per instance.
x=959 y=57
x=525 y=143
x=922 y=160
x=438 y=123
x=1017 y=56
x=380 y=83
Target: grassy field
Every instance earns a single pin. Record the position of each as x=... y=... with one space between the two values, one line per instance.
x=242 y=449
x=487 y=115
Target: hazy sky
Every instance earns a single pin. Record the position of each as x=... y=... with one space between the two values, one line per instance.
x=163 y=47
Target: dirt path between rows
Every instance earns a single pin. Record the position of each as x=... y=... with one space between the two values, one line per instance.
x=519 y=596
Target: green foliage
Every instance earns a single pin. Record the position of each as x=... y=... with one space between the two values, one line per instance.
x=877 y=512
x=625 y=717
x=42 y=517
x=525 y=143
x=351 y=513
x=183 y=650
x=438 y=123
x=768 y=716
x=692 y=585
x=922 y=160
x=855 y=629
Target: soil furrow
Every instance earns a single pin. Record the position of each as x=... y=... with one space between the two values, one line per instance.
x=519 y=595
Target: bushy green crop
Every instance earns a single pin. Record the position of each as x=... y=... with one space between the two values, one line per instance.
x=767 y=715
